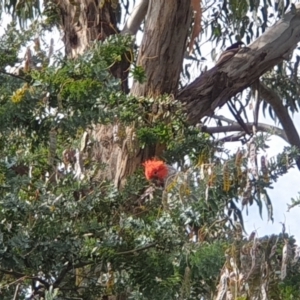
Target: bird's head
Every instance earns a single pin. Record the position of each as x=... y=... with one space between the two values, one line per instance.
x=156 y=170
x=237 y=45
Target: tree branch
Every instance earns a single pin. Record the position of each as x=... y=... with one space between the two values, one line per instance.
x=232 y=138
x=236 y=127
x=62 y=274
x=216 y=86
x=136 y=18
x=21 y=275
x=86 y=263
x=137 y=250
x=222 y=118
x=15 y=76
x=284 y=118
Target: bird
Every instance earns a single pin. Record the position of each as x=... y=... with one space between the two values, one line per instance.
x=159 y=172
x=164 y=177
x=236 y=45
x=229 y=52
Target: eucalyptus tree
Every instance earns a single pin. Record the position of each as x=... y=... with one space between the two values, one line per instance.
x=76 y=126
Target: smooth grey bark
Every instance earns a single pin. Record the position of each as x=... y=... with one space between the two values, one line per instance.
x=136 y=18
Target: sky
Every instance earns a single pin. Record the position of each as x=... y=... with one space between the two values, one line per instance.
x=285 y=188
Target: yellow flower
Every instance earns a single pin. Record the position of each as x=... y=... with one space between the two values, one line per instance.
x=19 y=94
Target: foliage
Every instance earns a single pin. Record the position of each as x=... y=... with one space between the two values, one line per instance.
x=62 y=238
x=57 y=231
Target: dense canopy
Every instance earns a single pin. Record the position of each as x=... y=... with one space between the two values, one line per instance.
x=135 y=82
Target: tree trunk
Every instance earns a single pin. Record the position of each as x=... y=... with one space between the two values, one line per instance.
x=85 y=21
x=161 y=56
x=163 y=47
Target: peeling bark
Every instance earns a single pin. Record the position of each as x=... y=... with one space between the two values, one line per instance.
x=85 y=21
x=90 y=24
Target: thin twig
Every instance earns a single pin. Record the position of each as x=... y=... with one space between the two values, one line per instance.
x=16 y=295
x=15 y=76
x=15 y=281
x=20 y=275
